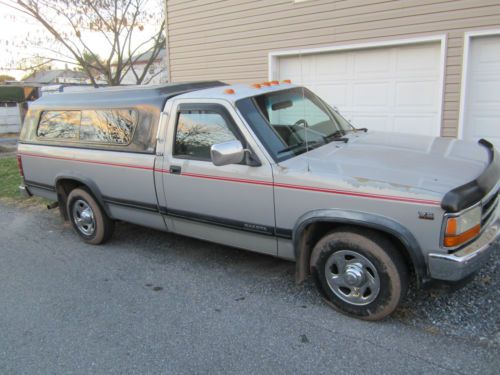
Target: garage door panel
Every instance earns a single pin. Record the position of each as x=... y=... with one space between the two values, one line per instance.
x=482 y=97
x=371 y=94
x=420 y=60
x=486 y=53
x=372 y=61
x=333 y=93
x=485 y=127
x=485 y=92
x=374 y=85
x=296 y=69
x=336 y=67
x=416 y=94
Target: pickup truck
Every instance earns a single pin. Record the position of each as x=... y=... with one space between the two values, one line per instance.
x=274 y=169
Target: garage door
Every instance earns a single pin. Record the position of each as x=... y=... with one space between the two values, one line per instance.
x=481 y=118
x=395 y=89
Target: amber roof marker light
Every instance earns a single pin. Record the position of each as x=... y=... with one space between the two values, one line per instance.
x=229 y=91
x=256 y=85
x=286 y=81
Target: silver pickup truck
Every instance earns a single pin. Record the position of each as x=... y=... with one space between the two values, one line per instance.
x=269 y=168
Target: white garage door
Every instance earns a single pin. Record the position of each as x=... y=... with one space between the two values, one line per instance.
x=481 y=118
x=395 y=89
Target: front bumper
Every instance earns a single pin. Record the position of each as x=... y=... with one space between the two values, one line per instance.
x=459 y=265
x=24 y=191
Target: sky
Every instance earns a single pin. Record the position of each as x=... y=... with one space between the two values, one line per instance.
x=19 y=33
x=14 y=28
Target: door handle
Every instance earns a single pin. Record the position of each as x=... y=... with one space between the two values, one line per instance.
x=175 y=169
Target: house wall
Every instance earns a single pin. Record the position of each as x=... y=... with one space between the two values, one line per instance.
x=230 y=40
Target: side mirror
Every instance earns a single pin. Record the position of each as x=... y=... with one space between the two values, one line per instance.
x=231 y=152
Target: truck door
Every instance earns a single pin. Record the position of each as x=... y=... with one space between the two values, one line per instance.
x=230 y=204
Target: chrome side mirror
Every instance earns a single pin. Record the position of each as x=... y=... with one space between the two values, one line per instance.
x=231 y=152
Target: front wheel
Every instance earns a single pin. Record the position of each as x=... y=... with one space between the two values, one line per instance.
x=359 y=272
x=88 y=219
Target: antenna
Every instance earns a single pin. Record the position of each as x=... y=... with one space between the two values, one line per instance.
x=306 y=130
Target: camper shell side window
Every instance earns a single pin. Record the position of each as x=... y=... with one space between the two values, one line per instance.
x=105 y=126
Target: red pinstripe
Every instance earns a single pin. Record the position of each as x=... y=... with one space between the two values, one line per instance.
x=254 y=182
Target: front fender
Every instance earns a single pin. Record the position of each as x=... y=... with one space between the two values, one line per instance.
x=361 y=219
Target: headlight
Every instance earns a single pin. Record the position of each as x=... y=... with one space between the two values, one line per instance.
x=462 y=228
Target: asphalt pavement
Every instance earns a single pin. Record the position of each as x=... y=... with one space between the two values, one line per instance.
x=150 y=302
x=10 y=140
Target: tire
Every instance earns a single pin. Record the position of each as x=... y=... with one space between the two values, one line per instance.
x=359 y=272
x=87 y=217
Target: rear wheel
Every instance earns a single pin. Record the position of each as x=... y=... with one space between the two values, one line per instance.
x=88 y=219
x=359 y=272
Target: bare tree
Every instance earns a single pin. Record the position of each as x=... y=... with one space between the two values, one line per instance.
x=120 y=23
x=33 y=65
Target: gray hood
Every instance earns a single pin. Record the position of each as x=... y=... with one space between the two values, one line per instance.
x=398 y=161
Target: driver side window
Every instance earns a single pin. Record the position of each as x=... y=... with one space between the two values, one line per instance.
x=198 y=130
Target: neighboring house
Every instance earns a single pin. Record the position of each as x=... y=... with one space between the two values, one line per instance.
x=417 y=66
x=58 y=76
x=157 y=71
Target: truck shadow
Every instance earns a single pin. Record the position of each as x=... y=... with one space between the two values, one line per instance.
x=435 y=310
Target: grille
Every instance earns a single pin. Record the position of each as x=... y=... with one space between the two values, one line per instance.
x=489 y=208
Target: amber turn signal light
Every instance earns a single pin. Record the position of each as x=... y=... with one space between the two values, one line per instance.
x=455 y=240
x=451 y=226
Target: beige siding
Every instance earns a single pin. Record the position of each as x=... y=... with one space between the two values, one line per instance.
x=230 y=39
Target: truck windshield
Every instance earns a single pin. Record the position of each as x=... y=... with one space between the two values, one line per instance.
x=293 y=121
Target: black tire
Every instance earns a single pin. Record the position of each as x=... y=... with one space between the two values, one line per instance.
x=102 y=225
x=367 y=256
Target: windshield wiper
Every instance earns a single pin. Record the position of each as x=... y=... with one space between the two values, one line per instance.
x=298 y=145
x=337 y=136
x=362 y=130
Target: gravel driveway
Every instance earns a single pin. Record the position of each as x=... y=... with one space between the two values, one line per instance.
x=152 y=302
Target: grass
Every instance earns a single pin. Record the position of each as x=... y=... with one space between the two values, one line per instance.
x=10 y=181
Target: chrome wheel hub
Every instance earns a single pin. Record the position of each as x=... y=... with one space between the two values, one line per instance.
x=83 y=217
x=352 y=277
